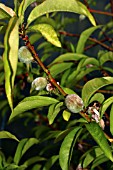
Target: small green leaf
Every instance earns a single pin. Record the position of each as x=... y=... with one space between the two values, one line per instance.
x=97 y=97
x=105 y=56
x=10 y=57
x=83 y=38
x=49 y=6
x=26 y=3
x=92 y=86
x=66 y=148
x=30 y=142
x=53 y=112
x=5 y=134
x=66 y=115
x=31 y=103
x=50 y=162
x=106 y=104
x=33 y=160
x=8 y=10
x=19 y=149
x=48 y=32
x=111 y=120
x=98 y=135
x=59 y=68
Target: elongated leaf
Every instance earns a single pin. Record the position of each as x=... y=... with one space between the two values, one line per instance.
x=53 y=112
x=30 y=142
x=31 y=103
x=69 y=57
x=6 y=134
x=33 y=160
x=8 y=10
x=83 y=38
x=98 y=135
x=91 y=156
x=111 y=120
x=66 y=149
x=92 y=61
x=99 y=160
x=106 y=104
x=48 y=32
x=59 y=68
x=26 y=3
x=10 y=57
x=50 y=162
x=106 y=56
x=93 y=85
x=54 y=6
x=19 y=149
x=97 y=97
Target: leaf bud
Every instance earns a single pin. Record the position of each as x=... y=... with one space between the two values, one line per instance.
x=25 y=55
x=74 y=103
x=39 y=83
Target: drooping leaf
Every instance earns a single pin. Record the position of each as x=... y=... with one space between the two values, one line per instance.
x=105 y=56
x=50 y=162
x=30 y=142
x=66 y=148
x=83 y=38
x=10 y=57
x=48 y=32
x=26 y=3
x=53 y=112
x=33 y=160
x=97 y=97
x=49 y=6
x=111 y=120
x=59 y=68
x=99 y=160
x=106 y=104
x=6 y=134
x=92 y=86
x=99 y=136
x=31 y=103
x=8 y=10
x=69 y=57
x=91 y=155
x=19 y=149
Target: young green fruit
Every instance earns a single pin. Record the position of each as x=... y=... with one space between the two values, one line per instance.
x=74 y=103
x=39 y=83
x=25 y=55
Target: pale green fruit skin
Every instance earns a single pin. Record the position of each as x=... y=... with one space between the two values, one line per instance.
x=25 y=55
x=39 y=83
x=74 y=103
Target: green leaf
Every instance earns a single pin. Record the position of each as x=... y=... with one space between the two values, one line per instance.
x=111 y=120
x=48 y=32
x=10 y=57
x=98 y=135
x=30 y=142
x=97 y=97
x=31 y=103
x=66 y=115
x=66 y=148
x=26 y=3
x=69 y=57
x=83 y=38
x=33 y=160
x=99 y=160
x=105 y=56
x=59 y=68
x=19 y=149
x=50 y=162
x=106 y=104
x=5 y=134
x=49 y=6
x=8 y=10
x=91 y=155
x=92 y=86
x=53 y=112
